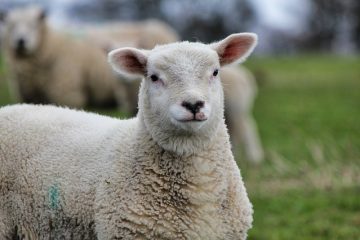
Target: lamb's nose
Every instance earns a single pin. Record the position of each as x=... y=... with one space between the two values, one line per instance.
x=193 y=107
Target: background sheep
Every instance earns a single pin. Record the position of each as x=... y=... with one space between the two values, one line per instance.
x=167 y=174
x=240 y=92
x=143 y=34
x=48 y=67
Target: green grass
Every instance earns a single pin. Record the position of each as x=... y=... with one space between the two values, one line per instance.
x=300 y=214
x=4 y=93
x=308 y=113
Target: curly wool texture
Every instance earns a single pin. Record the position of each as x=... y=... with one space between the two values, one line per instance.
x=131 y=189
x=73 y=175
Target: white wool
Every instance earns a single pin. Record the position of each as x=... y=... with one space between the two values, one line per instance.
x=70 y=174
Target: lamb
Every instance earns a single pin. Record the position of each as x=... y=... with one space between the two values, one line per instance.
x=49 y=67
x=166 y=174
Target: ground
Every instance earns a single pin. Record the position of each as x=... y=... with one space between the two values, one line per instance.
x=308 y=112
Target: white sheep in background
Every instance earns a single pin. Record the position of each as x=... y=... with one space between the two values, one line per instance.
x=240 y=92
x=144 y=34
x=169 y=173
x=45 y=66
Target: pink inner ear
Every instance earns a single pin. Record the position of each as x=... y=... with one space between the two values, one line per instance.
x=131 y=63
x=235 y=49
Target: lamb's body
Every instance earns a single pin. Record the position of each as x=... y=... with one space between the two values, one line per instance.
x=134 y=180
x=167 y=174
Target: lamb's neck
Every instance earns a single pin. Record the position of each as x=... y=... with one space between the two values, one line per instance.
x=192 y=176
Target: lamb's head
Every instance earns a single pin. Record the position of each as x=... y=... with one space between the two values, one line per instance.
x=24 y=30
x=181 y=96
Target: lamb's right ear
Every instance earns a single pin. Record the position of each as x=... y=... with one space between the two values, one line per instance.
x=128 y=61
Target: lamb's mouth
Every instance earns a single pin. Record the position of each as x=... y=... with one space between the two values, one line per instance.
x=192 y=120
x=196 y=117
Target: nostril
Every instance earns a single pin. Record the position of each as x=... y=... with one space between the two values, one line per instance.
x=194 y=108
x=187 y=105
x=200 y=104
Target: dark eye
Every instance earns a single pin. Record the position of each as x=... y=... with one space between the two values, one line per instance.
x=215 y=73
x=154 y=78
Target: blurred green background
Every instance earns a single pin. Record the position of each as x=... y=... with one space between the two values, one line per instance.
x=308 y=114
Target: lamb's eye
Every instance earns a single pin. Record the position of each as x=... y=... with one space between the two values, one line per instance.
x=215 y=73
x=154 y=78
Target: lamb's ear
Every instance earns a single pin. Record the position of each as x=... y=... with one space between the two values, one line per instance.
x=235 y=48
x=129 y=61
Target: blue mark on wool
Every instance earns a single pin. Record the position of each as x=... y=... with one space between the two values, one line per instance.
x=54 y=197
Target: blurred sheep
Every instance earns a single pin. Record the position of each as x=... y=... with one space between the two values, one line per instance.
x=45 y=66
x=240 y=93
x=142 y=34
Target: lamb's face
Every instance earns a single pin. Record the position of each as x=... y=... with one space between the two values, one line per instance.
x=183 y=87
x=23 y=30
x=181 y=97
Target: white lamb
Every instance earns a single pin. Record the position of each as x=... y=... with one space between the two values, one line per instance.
x=167 y=174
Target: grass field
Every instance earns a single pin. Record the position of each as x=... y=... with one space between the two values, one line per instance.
x=308 y=112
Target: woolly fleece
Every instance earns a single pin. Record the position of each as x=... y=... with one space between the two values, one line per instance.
x=73 y=175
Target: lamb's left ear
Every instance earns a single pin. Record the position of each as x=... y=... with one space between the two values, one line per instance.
x=235 y=48
x=128 y=61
